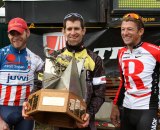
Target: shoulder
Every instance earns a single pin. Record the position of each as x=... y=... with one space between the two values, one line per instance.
x=148 y=46
x=121 y=51
x=154 y=50
x=5 y=50
x=92 y=54
x=33 y=55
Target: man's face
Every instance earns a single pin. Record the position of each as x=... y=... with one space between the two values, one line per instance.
x=18 y=40
x=74 y=32
x=130 y=33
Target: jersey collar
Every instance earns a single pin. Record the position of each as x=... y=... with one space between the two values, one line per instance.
x=138 y=45
x=16 y=50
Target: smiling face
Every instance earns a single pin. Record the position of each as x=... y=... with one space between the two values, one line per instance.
x=74 y=32
x=18 y=40
x=130 y=33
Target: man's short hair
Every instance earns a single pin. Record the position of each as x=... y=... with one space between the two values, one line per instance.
x=73 y=17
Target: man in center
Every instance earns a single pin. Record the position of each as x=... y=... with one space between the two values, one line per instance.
x=74 y=31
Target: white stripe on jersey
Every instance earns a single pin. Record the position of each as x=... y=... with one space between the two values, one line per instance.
x=99 y=80
x=3 y=94
x=13 y=95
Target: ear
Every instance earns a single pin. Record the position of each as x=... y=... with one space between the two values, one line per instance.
x=9 y=35
x=141 y=31
x=84 y=31
x=28 y=32
x=63 y=31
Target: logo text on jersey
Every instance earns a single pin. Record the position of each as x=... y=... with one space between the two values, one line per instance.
x=154 y=124
x=16 y=77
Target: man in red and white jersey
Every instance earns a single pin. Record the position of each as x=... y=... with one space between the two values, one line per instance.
x=17 y=67
x=139 y=69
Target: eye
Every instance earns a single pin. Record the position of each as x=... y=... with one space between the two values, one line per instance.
x=69 y=29
x=75 y=28
x=14 y=33
x=122 y=29
x=130 y=29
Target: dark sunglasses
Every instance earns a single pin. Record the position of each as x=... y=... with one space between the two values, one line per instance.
x=73 y=14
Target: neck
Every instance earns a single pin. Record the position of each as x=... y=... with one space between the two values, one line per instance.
x=131 y=47
x=76 y=48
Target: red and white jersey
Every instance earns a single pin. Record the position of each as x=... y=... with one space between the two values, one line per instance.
x=17 y=70
x=139 y=71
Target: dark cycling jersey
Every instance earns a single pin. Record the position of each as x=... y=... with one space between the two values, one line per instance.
x=96 y=82
x=139 y=70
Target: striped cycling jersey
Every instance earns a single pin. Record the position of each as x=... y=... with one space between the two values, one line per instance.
x=17 y=69
x=139 y=70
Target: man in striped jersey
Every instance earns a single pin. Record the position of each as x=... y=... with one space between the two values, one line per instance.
x=17 y=67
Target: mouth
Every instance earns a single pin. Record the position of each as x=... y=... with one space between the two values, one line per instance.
x=126 y=38
x=75 y=37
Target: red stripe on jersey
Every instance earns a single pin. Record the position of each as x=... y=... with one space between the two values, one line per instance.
x=7 y=96
x=138 y=96
x=120 y=53
x=0 y=90
x=153 y=49
x=18 y=95
x=118 y=92
x=27 y=91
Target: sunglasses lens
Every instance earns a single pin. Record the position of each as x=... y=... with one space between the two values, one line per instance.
x=132 y=15
x=73 y=14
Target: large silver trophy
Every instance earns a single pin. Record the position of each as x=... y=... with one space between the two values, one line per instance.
x=58 y=76
x=62 y=99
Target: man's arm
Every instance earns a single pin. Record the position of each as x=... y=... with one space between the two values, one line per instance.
x=3 y=124
x=118 y=100
x=115 y=116
x=38 y=75
x=37 y=85
x=99 y=87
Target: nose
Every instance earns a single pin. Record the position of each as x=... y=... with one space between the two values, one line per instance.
x=73 y=31
x=124 y=32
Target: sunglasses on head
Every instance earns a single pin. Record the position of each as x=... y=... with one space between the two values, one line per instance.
x=132 y=15
x=73 y=14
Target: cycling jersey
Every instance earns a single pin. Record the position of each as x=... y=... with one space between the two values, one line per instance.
x=139 y=70
x=17 y=69
x=95 y=76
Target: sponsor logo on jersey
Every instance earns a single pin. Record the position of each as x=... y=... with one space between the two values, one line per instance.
x=11 y=59
x=16 y=77
x=154 y=124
